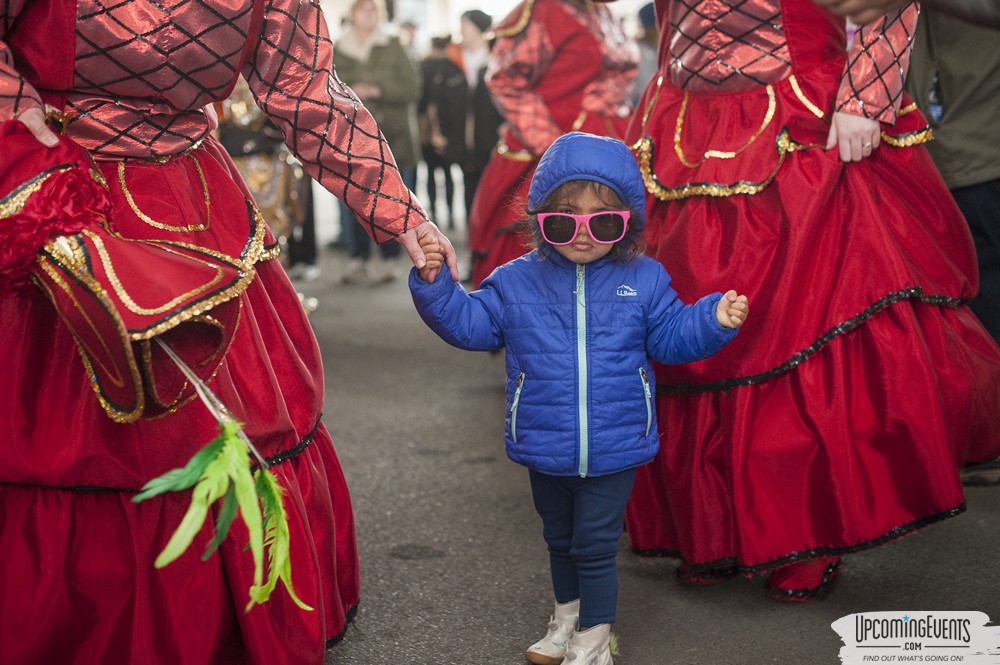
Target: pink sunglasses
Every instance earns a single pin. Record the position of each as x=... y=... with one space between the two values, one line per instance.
x=606 y=227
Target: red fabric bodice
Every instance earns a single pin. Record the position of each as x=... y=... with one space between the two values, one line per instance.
x=742 y=88
x=715 y=47
x=132 y=80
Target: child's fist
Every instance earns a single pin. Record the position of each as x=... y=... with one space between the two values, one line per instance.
x=732 y=310
x=433 y=254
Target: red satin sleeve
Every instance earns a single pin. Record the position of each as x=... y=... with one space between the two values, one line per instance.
x=876 y=66
x=516 y=65
x=16 y=94
x=292 y=78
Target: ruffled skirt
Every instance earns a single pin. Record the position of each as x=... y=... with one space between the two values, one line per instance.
x=77 y=553
x=840 y=416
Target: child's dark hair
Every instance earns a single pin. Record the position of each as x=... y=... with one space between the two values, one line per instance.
x=625 y=250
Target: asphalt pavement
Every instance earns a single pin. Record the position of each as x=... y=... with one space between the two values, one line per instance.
x=454 y=570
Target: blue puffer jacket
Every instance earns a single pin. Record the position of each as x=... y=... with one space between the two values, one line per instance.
x=578 y=340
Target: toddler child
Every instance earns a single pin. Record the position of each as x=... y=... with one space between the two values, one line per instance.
x=580 y=317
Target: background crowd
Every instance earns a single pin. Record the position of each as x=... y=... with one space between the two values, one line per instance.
x=778 y=153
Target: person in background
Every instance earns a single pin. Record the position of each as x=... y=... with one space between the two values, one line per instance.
x=303 y=250
x=580 y=317
x=649 y=37
x=955 y=80
x=281 y=188
x=473 y=51
x=408 y=38
x=787 y=448
x=378 y=69
x=557 y=66
x=485 y=131
x=442 y=116
x=484 y=121
x=77 y=553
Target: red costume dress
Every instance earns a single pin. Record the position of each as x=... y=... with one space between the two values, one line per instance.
x=557 y=66
x=130 y=81
x=860 y=384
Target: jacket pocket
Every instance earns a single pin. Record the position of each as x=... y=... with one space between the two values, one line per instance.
x=513 y=407
x=648 y=394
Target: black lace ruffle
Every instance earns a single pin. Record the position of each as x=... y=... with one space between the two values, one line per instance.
x=725 y=567
x=909 y=293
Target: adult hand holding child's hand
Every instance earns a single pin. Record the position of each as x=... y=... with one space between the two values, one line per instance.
x=434 y=256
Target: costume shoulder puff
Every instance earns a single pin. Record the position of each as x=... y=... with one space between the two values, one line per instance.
x=516 y=21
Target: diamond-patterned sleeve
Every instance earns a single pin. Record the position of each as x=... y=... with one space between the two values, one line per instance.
x=876 y=66
x=516 y=65
x=16 y=94
x=293 y=81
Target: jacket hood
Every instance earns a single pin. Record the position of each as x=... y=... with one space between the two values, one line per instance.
x=581 y=156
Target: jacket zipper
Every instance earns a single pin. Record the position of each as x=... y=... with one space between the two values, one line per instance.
x=581 y=354
x=513 y=408
x=649 y=399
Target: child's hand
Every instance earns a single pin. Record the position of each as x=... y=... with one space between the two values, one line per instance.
x=732 y=310
x=433 y=254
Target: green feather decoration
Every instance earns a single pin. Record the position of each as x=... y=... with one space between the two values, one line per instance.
x=276 y=540
x=227 y=513
x=221 y=470
x=183 y=478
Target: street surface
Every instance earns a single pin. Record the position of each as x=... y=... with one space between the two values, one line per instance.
x=454 y=569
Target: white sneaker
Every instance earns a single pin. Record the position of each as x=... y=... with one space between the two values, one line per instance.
x=355 y=273
x=309 y=273
x=590 y=647
x=550 y=649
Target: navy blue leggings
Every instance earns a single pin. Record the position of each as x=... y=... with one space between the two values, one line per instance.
x=582 y=520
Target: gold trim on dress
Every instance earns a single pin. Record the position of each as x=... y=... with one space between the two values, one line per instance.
x=96 y=174
x=214 y=358
x=815 y=110
x=719 y=154
x=192 y=312
x=117 y=415
x=166 y=227
x=522 y=22
x=210 y=320
x=173 y=408
x=909 y=140
x=146 y=347
x=505 y=151
x=123 y=293
x=14 y=202
x=255 y=251
x=69 y=252
x=269 y=254
x=784 y=144
x=649 y=107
